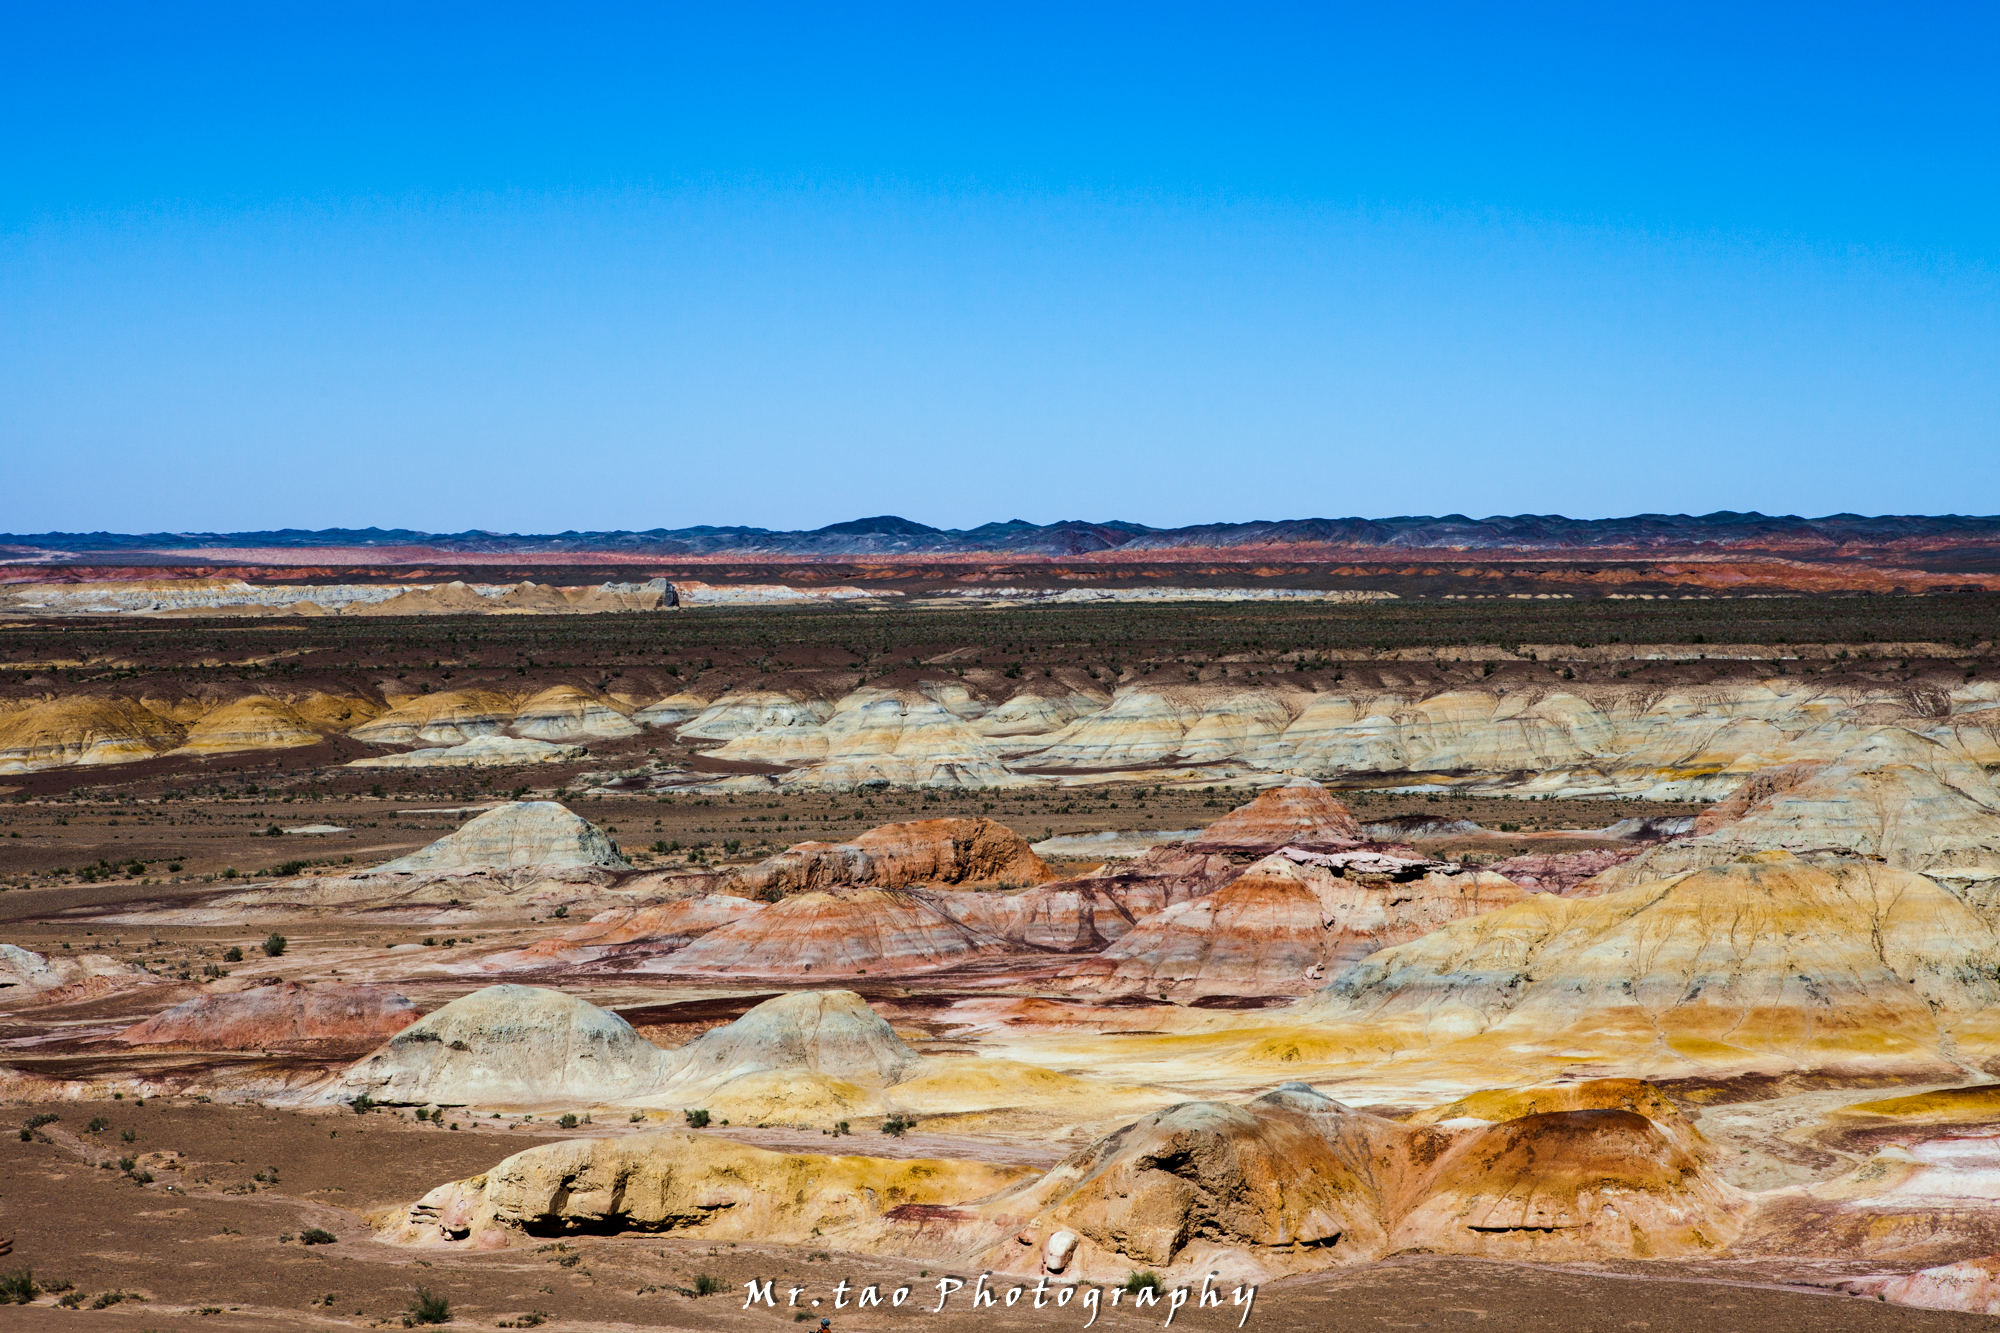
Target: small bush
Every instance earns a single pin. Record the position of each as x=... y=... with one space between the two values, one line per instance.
x=427 y=1307
x=363 y=1104
x=568 y=1120
x=704 y=1285
x=560 y=913
x=274 y=944
x=315 y=1236
x=232 y=955
x=697 y=1119
x=128 y=1136
x=45 y=1118
x=111 y=1298
x=1138 y=1282
x=18 y=1287
x=898 y=1125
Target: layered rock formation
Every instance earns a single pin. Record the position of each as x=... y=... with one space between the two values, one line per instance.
x=64 y=978
x=288 y=1017
x=1301 y=813
x=449 y=717
x=565 y=713
x=1149 y=725
x=80 y=731
x=899 y=737
x=182 y=597
x=1085 y=914
x=524 y=838
x=841 y=933
x=1282 y=927
x=510 y=1045
x=524 y=851
x=895 y=856
x=624 y=938
x=817 y=1054
x=678 y=1180
x=1970 y=1285
x=1600 y=739
x=858 y=919
x=1927 y=1200
x=255 y=722
x=1911 y=801
x=1765 y=964
x=1294 y=1181
x=1291 y=1182
x=481 y=752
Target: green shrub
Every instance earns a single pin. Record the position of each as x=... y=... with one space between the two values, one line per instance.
x=697 y=1119
x=18 y=1287
x=427 y=1307
x=1138 y=1282
x=274 y=945
x=315 y=1236
x=232 y=955
x=704 y=1285
x=568 y=1120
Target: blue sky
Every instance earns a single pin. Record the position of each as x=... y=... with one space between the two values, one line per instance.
x=534 y=268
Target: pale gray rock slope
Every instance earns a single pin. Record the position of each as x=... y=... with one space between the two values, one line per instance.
x=525 y=1045
x=831 y=1032
x=1914 y=802
x=510 y=1045
x=522 y=836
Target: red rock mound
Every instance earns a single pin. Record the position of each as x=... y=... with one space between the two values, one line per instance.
x=1301 y=812
x=288 y=1017
x=1282 y=928
x=896 y=856
x=625 y=938
x=836 y=933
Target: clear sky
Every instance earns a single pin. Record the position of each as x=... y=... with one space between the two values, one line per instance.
x=589 y=266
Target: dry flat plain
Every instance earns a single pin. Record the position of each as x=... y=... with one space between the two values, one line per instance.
x=1580 y=966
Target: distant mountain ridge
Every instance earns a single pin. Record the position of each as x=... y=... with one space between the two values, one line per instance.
x=892 y=536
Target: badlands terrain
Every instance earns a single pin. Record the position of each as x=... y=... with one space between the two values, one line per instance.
x=1404 y=962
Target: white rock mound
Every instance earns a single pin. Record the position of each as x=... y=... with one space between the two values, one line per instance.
x=519 y=1045
x=831 y=1032
x=539 y=837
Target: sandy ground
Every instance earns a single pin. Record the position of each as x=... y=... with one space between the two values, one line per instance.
x=207 y=1245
